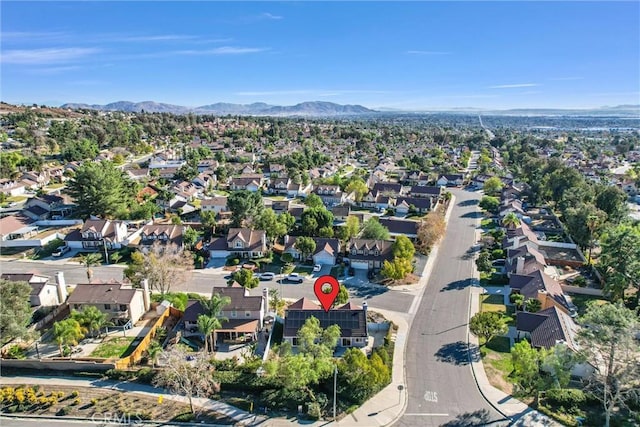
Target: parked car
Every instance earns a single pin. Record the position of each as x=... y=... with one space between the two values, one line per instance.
x=317 y=267
x=295 y=277
x=267 y=276
x=61 y=250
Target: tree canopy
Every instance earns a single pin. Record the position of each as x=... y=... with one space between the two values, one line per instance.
x=15 y=310
x=372 y=229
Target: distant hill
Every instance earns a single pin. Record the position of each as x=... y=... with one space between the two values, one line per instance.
x=618 y=111
x=314 y=108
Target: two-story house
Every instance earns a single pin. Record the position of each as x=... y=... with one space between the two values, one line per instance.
x=243 y=242
x=43 y=293
x=330 y=195
x=122 y=303
x=95 y=233
x=450 y=180
x=165 y=234
x=351 y=319
x=215 y=204
x=251 y=183
x=326 y=252
x=368 y=254
x=244 y=313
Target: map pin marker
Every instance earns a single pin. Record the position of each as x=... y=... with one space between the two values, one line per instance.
x=320 y=286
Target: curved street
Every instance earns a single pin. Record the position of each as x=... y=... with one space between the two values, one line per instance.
x=440 y=384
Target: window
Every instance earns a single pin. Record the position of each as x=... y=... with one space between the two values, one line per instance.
x=107 y=306
x=247 y=314
x=123 y=307
x=234 y=313
x=295 y=341
x=76 y=306
x=238 y=244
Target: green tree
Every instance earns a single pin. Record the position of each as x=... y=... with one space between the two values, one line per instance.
x=207 y=325
x=533 y=305
x=343 y=296
x=613 y=201
x=403 y=248
x=83 y=149
x=517 y=300
x=243 y=205
x=115 y=257
x=314 y=340
x=90 y=260
x=583 y=221
x=492 y=186
x=511 y=220
x=360 y=378
x=608 y=344
x=483 y=262
x=190 y=237
x=620 y=260
x=306 y=246
x=313 y=201
x=67 y=332
x=99 y=189
x=270 y=222
x=153 y=352
x=488 y=324
x=316 y=221
x=15 y=310
x=208 y=220
x=90 y=318
x=558 y=362
x=372 y=229
x=490 y=204
x=351 y=227
x=526 y=365
x=245 y=278
x=215 y=304
x=397 y=269
x=358 y=187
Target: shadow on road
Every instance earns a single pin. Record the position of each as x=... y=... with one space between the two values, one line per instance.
x=471 y=252
x=471 y=202
x=458 y=353
x=365 y=291
x=473 y=215
x=457 y=285
x=476 y=418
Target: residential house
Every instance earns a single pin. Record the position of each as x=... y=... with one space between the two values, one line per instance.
x=279 y=185
x=281 y=206
x=331 y=195
x=56 y=206
x=540 y=286
x=122 y=303
x=376 y=200
x=326 y=252
x=251 y=183
x=137 y=174
x=165 y=234
x=448 y=180
x=244 y=313
x=14 y=227
x=351 y=319
x=417 y=178
x=341 y=213
x=243 y=242
x=216 y=204
x=275 y=169
x=421 y=205
x=426 y=191
x=95 y=233
x=12 y=188
x=546 y=328
x=368 y=254
x=42 y=293
x=388 y=189
x=205 y=180
x=185 y=189
x=399 y=227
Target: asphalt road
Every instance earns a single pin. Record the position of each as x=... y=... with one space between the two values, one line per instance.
x=440 y=385
x=203 y=282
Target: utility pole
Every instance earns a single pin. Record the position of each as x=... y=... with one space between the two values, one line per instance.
x=335 y=388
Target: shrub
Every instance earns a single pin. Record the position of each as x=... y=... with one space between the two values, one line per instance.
x=94 y=401
x=314 y=410
x=75 y=393
x=76 y=401
x=63 y=411
x=184 y=418
x=569 y=398
x=235 y=261
x=580 y=281
x=16 y=352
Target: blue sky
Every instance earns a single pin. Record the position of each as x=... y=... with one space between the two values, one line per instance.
x=406 y=55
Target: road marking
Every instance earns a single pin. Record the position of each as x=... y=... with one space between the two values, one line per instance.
x=431 y=396
x=427 y=415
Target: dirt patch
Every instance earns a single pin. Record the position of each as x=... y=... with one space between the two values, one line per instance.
x=495 y=376
x=97 y=403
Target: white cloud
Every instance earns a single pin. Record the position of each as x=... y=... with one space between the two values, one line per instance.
x=268 y=15
x=512 y=86
x=427 y=52
x=45 y=56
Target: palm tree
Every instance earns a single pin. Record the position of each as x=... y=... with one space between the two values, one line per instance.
x=67 y=332
x=90 y=260
x=90 y=318
x=517 y=299
x=115 y=257
x=214 y=305
x=510 y=220
x=533 y=305
x=207 y=326
x=153 y=352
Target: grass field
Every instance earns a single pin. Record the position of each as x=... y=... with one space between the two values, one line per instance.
x=118 y=347
x=497 y=363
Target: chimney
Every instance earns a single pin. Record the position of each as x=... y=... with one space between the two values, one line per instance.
x=61 y=286
x=519 y=265
x=265 y=299
x=145 y=295
x=364 y=307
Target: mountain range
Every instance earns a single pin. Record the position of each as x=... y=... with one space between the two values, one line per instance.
x=314 y=108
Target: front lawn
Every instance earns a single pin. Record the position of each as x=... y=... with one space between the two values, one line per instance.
x=496 y=357
x=303 y=269
x=488 y=224
x=118 y=347
x=493 y=303
x=581 y=301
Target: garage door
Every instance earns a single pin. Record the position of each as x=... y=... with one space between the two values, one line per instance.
x=219 y=254
x=360 y=265
x=323 y=259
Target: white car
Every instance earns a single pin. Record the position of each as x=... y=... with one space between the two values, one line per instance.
x=317 y=267
x=295 y=277
x=61 y=250
x=267 y=276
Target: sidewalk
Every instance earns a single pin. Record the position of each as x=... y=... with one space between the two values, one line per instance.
x=509 y=406
x=241 y=417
